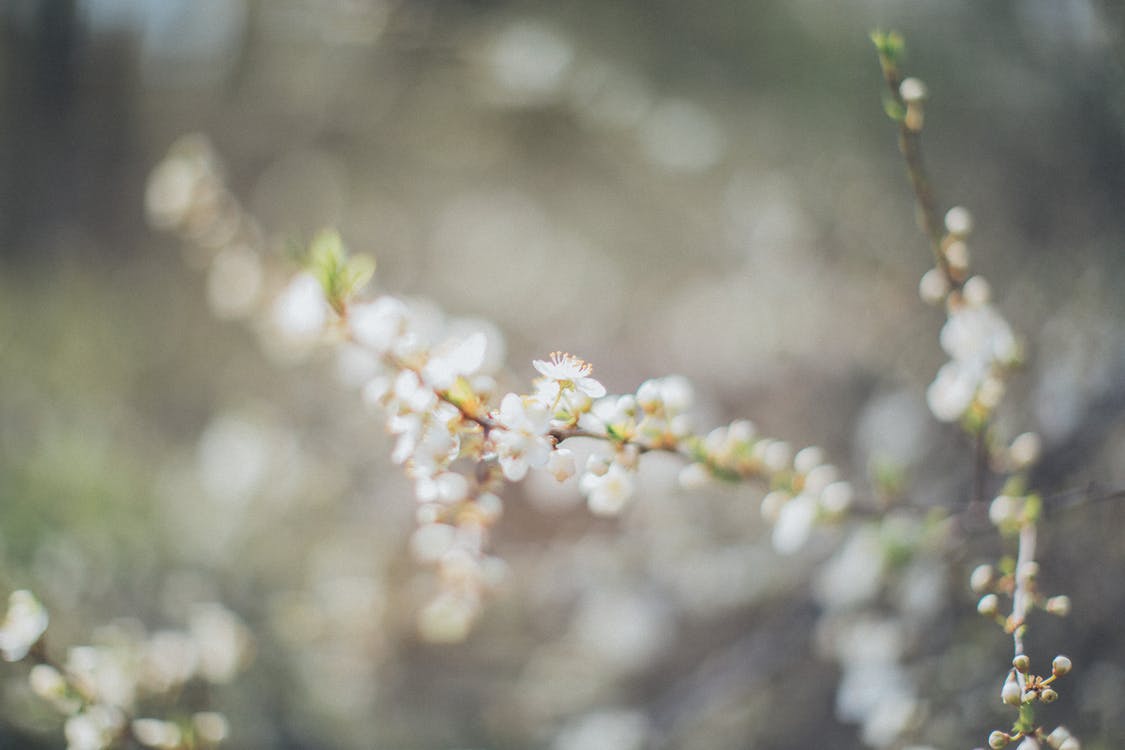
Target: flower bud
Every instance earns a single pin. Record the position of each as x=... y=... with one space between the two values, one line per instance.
x=912 y=90
x=958 y=221
x=998 y=740
x=933 y=287
x=1011 y=694
x=1060 y=735
x=1071 y=743
x=976 y=291
x=1048 y=695
x=1060 y=666
x=981 y=578
x=1059 y=605
x=957 y=255
x=1021 y=663
x=694 y=476
x=808 y=459
x=1004 y=510
x=772 y=504
x=989 y=605
x=1025 y=450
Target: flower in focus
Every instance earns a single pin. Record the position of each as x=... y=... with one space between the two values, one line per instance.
x=521 y=441
x=568 y=372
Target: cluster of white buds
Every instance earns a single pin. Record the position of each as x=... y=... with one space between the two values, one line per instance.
x=978 y=340
x=99 y=688
x=967 y=389
x=1022 y=688
x=804 y=487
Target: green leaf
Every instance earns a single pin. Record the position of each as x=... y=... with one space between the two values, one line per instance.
x=890 y=45
x=339 y=276
x=893 y=108
x=360 y=269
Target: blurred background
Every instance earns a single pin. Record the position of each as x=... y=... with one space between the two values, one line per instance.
x=709 y=189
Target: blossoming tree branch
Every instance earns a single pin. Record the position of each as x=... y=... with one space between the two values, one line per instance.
x=460 y=436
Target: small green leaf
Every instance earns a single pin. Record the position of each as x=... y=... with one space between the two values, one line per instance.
x=890 y=45
x=340 y=276
x=359 y=270
x=893 y=108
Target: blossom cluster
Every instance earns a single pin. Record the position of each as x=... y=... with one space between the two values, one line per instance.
x=968 y=388
x=979 y=341
x=460 y=435
x=105 y=690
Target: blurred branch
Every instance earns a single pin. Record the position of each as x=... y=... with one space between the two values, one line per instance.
x=909 y=119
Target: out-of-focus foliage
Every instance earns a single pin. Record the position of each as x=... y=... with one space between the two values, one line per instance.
x=708 y=189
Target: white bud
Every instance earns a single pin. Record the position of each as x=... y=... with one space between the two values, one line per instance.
x=1071 y=743
x=912 y=90
x=428 y=543
x=560 y=464
x=1059 y=605
x=989 y=605
x=976 y=291
x=46 y=681
x=1060 y=666
x=958 y=221
x=933 y=287
x=837 y=498
x=1011 y=694
x=981 y=578
x=776 y=456
x=694 y=476
x=741 y=431
x=772 y=504
x=998 y=740
x=819 y=478
x=156 y=733
x=490 y=506
x=957 y=255
x=211 y=726
x=808 y=459
x=446 y=619
x=1004 y=510
x=1025 y=450
x=1058 y=736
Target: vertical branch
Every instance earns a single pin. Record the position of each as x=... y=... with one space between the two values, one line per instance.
x=1022 y=597
x=908 y=116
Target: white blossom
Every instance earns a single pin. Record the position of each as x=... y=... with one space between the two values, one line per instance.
x=608 y=493
x=521 y=441
x=301 y=312
x=23 y=625
x=560 y=464
x=570 y=373
x=378 y=324
x=454 y=360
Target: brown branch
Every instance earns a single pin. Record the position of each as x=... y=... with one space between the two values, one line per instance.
x=910 y=144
